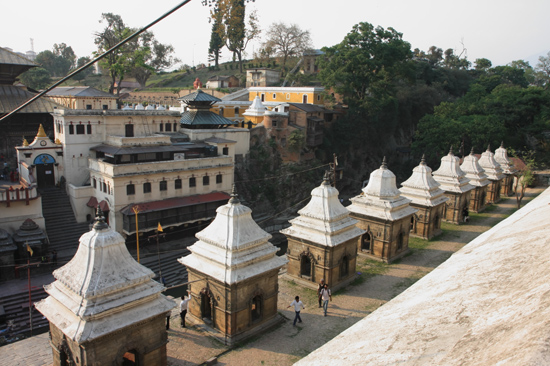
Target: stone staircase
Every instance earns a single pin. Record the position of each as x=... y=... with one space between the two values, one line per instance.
x=61 y=226
x=16 y=308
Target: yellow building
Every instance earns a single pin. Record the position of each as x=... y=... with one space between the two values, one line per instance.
x=308 y=95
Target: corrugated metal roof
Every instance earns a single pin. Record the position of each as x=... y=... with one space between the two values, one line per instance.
x=12 y=97
x=203 y=117
x=176 y=202
x=11 y=58
x=199 y=96
x=79 y=91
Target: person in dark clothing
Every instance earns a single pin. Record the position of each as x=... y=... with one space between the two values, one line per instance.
x=319 y=288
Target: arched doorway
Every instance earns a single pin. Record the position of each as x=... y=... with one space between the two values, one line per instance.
x=256 y=309
x=413 y=224
x=206 y=306
x=305 y=266
x=45 y=175
x=366 y=242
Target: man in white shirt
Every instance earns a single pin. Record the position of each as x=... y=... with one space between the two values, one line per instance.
x=297 y=304
x=326 y=295
x=184 y=305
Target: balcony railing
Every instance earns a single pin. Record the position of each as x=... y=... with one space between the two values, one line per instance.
x=12 y=194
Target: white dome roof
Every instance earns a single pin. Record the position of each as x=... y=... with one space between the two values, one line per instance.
x=490 y=165
x=421 y=188
x=450 y=176
x=474 y=171
x=501 y=157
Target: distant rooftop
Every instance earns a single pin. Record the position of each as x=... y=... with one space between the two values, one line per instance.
x=79 y=91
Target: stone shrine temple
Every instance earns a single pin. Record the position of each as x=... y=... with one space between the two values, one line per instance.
x=509 y=170
x=455 y=184
x=426 y=196
x=322 y=241
x=233 y=275
x=478 y=179
x=30 y=233
x=494 y=174
x=104 y=308
x=7 y=256
x=385 y=215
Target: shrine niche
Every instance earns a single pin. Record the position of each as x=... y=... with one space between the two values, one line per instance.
x=478 y=179
x=509 y=170
x=104 y=307
x=322 y=241
x=456 y=186
x=385 y=214
x=494 y=174
x=426 y=196
x=233 y=274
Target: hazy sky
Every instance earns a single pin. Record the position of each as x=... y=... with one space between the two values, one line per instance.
x=501 y=31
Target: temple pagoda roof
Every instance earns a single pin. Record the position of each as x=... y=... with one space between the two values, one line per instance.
x=421 y=188
x=474 y=171
x=233 y=247
x=12 y=96
x=12 y=65
x=381 y=198
x=199 y=117
x=324 y=220
x=78 y=91
x=199 y=96
x=102 y=289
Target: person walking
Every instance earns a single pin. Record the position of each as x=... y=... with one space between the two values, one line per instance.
x=297 y=304
x=184 y=306
x=326 y=295
x=319 y=288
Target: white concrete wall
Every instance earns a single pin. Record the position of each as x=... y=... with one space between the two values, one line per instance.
x=240 y=135
x=79 y=196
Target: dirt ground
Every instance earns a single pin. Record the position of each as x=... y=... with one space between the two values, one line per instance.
x=376 y=284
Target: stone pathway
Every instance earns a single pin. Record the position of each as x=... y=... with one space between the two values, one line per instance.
x=285 y=344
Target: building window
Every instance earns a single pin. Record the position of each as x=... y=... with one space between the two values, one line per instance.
x=71 y=129
x=129 y=130
x=175 y=127
x=163 y=185
x=89 y=129
x=205 y=180
x=177 y=184
x=80 y=129
x=256 y=309
x=287 y=96
x=192 y=182
x=104 y=187
x=168 y=127
x=262 y=97
x=130 y=189
x=221 y=112
x=161 y=126
x=274 y=123
x=88 y=106
x=319 y=97
x=225 y=151
x=94 y=183
x=219 y=178
x=236 y=111
x=147 y=187
x=105 y=107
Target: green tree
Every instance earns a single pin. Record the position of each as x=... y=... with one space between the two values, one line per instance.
x=84 y=73
x=235 y=31
x=287 y=40
x=483 y=64
x=67 y=54
x=524 y=176
x=36 y=78
x=140 y=57
x=542 y=69
x=529 y=73
x=363 y=66
x=216 y=41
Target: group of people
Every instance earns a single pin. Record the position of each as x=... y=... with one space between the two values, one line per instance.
x=323 y=293
x=324 y=296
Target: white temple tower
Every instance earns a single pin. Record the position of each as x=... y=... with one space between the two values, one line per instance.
x=509 y=170
x=104 y=308
x=322 y=241
x=233 y=274
x=494 y=173
x=456 y=186
x=426 y=196
x=385 y=215
x=478 y=178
